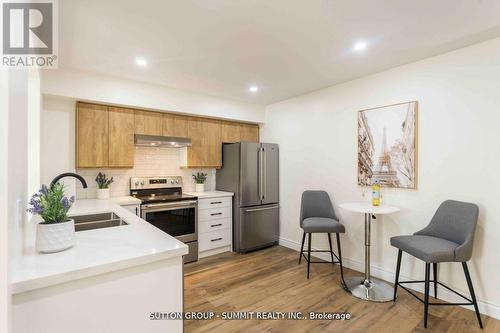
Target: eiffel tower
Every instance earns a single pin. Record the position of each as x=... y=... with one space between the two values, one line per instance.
x=384 y=171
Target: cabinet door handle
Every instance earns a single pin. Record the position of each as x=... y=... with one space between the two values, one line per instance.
x=215 y=240
x=213 y=214
x=215 y=225
x=215 y=202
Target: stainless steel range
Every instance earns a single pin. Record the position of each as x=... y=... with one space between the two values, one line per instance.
x=167 y=208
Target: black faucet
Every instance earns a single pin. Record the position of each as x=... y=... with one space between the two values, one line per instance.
x=69 y=174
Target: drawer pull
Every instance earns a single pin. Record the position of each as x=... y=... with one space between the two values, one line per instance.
x=213 y=214
x=215 y=202
x=215 y=225
x=215 y=240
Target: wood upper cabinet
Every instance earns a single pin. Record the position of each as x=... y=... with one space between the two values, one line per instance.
x=236 y=132
x=206 y=150
x=149 y=123
x=92 y=143
x=249 y=132
x=230 y=132
x=105 y=135
x=121 y=137
x=175 y=125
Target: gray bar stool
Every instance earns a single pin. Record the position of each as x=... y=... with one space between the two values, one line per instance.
x=318 y=216
x=449 y=237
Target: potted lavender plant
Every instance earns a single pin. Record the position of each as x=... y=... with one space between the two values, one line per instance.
x=56 y=232
x=200 y=179
x=103 y=185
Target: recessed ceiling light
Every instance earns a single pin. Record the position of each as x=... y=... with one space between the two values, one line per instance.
x=253 y=89
x=141 y=62
x=360 y=46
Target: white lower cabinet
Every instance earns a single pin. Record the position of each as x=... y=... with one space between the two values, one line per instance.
x=136 y=209
x=208 y=226
x=214 y=239
x=215 y=225
x=102 y=303
x=210 y=214
x=129 y=203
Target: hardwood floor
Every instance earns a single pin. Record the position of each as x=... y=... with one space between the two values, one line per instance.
x=272 y=280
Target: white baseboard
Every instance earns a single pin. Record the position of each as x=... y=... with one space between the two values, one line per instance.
x=492 y=310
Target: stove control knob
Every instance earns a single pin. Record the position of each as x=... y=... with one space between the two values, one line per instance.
x=177 y=181
x=136 y=183
x=171 y=181
x=142 y=182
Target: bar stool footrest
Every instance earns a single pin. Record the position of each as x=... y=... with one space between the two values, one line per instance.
x=322 y=262
x=400 y=284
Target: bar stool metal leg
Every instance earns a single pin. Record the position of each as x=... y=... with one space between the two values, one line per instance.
x=434 y=273
x=472 y=294
x=331 y=248
x=340 y=262
x=308 y=254
x=426 y=295
x=302 y=246
x=332 y=254
x=398 y=267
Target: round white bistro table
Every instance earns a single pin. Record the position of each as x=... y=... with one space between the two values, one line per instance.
x=367 y=287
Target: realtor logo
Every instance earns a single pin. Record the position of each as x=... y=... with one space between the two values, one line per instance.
x=29 y=34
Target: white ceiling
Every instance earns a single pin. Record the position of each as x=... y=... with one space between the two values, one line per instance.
x=285 y=47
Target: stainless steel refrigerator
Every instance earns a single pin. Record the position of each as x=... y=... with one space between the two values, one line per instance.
x=250 y=171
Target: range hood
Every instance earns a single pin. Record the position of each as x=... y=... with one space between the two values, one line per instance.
x=161 y=141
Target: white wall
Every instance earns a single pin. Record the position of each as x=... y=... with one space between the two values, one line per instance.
x=459 y=158
x=20 y=102
x=57 y=151
x=33 y=130
x=86 y=86
x=17 y=156
x=5 y=298
x=23 y=150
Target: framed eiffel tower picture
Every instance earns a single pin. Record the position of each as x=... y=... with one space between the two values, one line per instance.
x=387 y=145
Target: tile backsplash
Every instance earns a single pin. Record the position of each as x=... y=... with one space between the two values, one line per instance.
x=149 y=162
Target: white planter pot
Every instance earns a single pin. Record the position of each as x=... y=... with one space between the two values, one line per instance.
x=55 y=237
x=200 y=187
x=103 y=193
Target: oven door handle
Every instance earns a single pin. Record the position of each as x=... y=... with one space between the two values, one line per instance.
x=176 y=205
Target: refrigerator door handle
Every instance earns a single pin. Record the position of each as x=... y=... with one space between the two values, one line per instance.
x=260 y=209
x=261 y=173
x=264 y=173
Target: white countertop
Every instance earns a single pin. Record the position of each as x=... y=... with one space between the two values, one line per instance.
x=96 y=251
x=211 y=194
x=127 y=200
x=367 y=207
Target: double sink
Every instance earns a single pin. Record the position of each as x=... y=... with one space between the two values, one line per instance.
x=97 y=221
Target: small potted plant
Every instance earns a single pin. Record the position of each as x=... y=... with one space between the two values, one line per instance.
x=103 y=185
x=56 y=232
x=200 y=179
